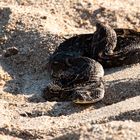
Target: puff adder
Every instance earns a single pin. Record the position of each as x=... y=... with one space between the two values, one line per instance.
x=77 y=65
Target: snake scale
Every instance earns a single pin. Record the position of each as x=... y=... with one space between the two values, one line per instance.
x=77 y=65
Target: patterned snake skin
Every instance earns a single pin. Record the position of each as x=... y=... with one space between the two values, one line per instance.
x=76 y=66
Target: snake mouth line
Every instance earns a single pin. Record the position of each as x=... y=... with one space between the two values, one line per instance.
x=77 y=101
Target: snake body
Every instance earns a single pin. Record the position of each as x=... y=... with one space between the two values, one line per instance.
x=77 y=65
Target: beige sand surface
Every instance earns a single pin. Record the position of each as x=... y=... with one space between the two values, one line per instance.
x=36 y=28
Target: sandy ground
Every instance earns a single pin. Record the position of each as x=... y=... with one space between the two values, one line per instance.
x=36 y=28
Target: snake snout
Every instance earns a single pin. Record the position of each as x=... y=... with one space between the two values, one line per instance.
x=88 y=97
x=108 y=52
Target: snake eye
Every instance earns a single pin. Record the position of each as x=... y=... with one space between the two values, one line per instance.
x=108 y=51
x=55 y=62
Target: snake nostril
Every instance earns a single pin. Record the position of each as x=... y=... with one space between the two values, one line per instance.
x=108 y=52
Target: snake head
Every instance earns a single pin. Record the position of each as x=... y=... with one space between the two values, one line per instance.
x=106 y=37
x=88 y=97
x=108 y=51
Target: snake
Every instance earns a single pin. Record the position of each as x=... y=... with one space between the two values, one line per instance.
x=77 y=65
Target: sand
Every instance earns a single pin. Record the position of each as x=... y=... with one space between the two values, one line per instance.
x=36 y=28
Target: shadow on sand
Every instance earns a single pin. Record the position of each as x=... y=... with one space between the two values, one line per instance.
x=120 y=90
x=28 y=67
x=29 y=74
x=133 y=115
x=116 y=91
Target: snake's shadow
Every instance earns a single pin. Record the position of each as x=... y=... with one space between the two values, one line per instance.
x=120 y=90
x=116 y=91
x=133 y=115
x=109 y=71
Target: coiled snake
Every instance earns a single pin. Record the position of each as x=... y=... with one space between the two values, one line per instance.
x=76 y=66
